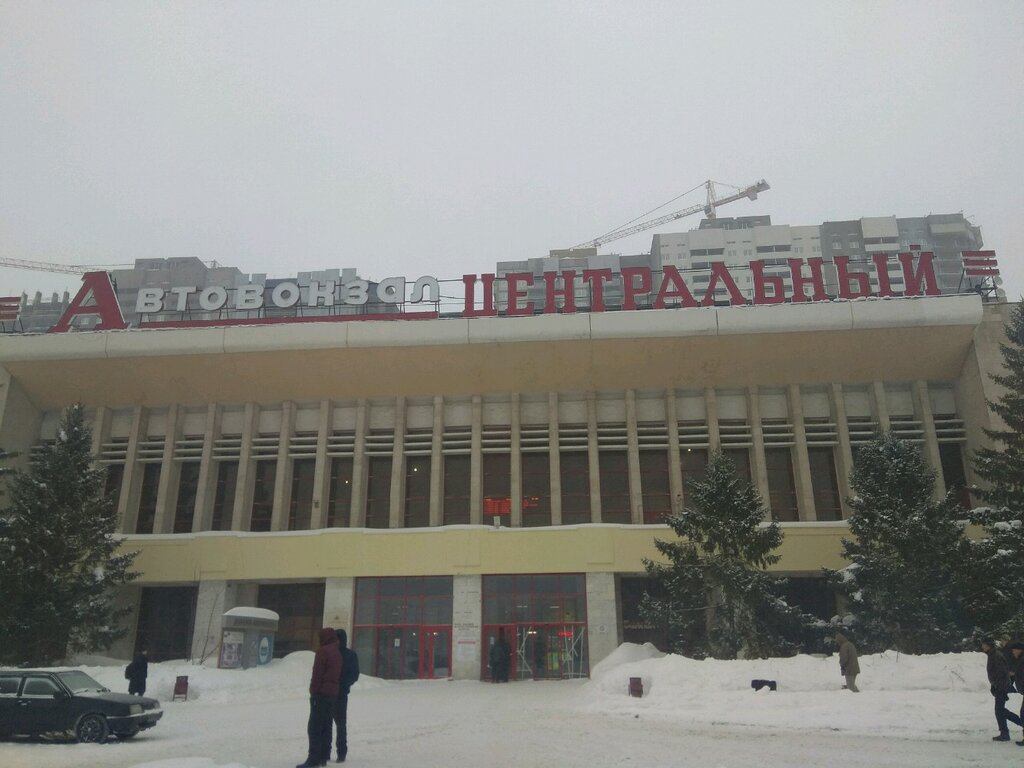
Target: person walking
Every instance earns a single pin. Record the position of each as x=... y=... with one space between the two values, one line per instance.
x=324 y=685
x=500 y=658
x=136 y=673
x=849 y=666
x=998 y=669
x=349 y=675
x=1016 y=661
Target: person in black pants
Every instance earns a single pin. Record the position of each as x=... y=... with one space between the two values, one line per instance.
x=136 y=673
x=1017 y=672
x=349 y=675
x=323 y=692
x=998 y=670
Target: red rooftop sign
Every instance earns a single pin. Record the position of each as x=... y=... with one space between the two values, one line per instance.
x=634 y=286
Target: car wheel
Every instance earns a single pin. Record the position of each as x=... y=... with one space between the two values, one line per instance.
x=92 y=729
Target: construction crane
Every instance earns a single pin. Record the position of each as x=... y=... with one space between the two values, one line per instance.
x=708 y=207
x=46 y=266
x=70 y=269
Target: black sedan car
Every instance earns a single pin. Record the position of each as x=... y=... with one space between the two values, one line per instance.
x=47 y=701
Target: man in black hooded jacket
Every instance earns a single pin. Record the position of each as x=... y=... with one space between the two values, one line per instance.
x=349 y=674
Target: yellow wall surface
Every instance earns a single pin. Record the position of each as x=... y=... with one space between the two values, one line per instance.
x=471 y=550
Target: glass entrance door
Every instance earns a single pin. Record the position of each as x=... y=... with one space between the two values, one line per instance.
x=437 y=649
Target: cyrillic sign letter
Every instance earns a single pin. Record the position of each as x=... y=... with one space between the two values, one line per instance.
x=513 y=279
x=844 y=275
x=597 y=278
x=925 y=274
x=799 y=281
x=95 y=297
x=719 y=272
x=149 y=300
x=672 y=287
x=317 y=291
x=630 y=289
x=470 y=310
x=761 y=280
x=568 y=291
x=882 y=273
x=249 y=297
x=285 y=294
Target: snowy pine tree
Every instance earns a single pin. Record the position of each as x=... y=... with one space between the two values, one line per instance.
x=909 y=557
x=59 y=557
x=713 y=596
x=1000 y=553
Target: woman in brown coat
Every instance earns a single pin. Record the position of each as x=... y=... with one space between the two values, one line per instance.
x=849 y=667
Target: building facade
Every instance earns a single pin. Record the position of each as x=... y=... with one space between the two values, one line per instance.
x=426 y=483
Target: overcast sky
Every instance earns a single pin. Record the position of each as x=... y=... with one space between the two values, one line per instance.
x=438 y=138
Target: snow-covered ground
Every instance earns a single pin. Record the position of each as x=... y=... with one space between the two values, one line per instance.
x=913 y=711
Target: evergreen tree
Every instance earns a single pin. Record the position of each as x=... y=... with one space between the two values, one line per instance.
x=1000 y=553
x=909 y=557
x=713 y=596
x=59 y=558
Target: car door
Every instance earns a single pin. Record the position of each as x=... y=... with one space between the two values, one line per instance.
x=10 y=712
x=43 y=704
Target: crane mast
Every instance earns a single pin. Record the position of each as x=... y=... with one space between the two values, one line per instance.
x=709 y=207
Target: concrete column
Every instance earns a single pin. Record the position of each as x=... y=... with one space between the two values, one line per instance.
x=396 y=509
x=516 y=462
x=207 y=483
x=100 y=430
x=711 y=414
x=437 y=464
x=467 y=626
x=212 y=600
x=283 y=470
x=880 y=406
x=923 y=408
x=359 y=466
x=131 y=481
x=593 y=459
x=844 y=452
x=759 y=467
x=476 y=464
x=339 y=604
x=170 y=471
x=322 y=471
x=636 y=494
x=675 y=458
x=241 y=515
x=801 y=461
x=602 y=616
x=554 y=458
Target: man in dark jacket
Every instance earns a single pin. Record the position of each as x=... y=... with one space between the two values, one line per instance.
x=323 y=691
x=1017 y=672
x=998 y=670
x=500 y=658
x=136 y=673
x=349 y=675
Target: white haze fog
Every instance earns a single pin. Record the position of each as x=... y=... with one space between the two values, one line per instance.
x=411 y=138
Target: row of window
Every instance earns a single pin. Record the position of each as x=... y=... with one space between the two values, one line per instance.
x=456 y=484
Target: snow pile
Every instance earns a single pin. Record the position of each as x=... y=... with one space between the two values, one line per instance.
x=809 y=691
x=286 y=678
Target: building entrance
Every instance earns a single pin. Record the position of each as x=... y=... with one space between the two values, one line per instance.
x=544 y=618
x=541 y=651
x=403 y=626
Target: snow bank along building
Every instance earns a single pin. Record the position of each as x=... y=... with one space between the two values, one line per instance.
x=423 y=471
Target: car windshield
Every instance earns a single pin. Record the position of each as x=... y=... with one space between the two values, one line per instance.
x=79 y=681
